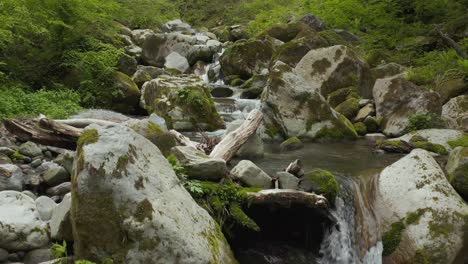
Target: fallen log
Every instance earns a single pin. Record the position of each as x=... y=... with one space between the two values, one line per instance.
x=232 y=142
x=278 y=198
x=185 y=141
x=295 y=168
x=450 y=42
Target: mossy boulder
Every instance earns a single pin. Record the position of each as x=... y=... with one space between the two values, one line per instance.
x=145 y=74
x=183 y=101
x=457 y=170
x=436 y=148
x=230 y=33
x=254 y=86
x=291 y=108
x=372 y=124
x=339 y=96
x=422 y=212
x=127 y=201
x=127 y=95
x=332 y=37
x=320 y=182
x=452 y=87
x=455 y=113
x=348 y=108
x=246 y=58
x=394 y=146
x=448 y=138
x=288 y=32
x=360 y=128
x=292 y=143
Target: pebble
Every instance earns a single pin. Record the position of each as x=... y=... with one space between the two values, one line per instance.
x=59 y=190
x=6 y=151
x=36 y=163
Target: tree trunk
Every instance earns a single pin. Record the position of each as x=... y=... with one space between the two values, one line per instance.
x=450 y=42
x=276 y=198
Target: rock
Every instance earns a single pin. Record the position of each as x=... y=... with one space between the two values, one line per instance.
x=3 y=255
x=30 y=149
x=365 y=112
x=36 y=163
x=360 y=128
x=126 y=100
x=372 y=124
x=30 y=194
x=229 y=33
x=396 y=99
x=287 y=180
x=246 y=58
x=55 y=174
x=457 y=170
x=66 y=160
x=430 y=216
x=292 y=143
x=139 y=35
x=101 y=115
x=348 y=36
x=181 y=99
x=329 y=69
x=38 y=256
x=59 y=190
x=455 y=113
x=451 y=88
x=127 y=64
x=177 y=62
x=203 y=53
x=292 y=108
x=348 y=108
x=4 y=159
x=444 y=137
x=249 y=174
x=341 y=95
x=313 y=22
x=252 y=148
x=320 y=182
x=145 y=74
x=394 y=146
x=126 y=191
x=6 y=151
x=177 y=26
x=60 y=224
x=375 y=136
x=20 y=224
x=198 y=165
x=221 y=91
x=11 y=178
x=45 y=206
x=387 y=70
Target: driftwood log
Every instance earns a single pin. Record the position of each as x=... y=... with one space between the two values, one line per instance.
x=185 y=141
x=231 y=143
x=277 y=198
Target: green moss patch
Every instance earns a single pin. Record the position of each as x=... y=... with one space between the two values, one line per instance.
x=323 y=182
x=461 y=142
x=360 y=128
x=392 y=238
x=436 y=148
x=89 y=136
x=394 y=146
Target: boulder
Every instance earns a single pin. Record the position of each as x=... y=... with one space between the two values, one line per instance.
x=368 y=110
x=45 y=206
x=348 y=36
x=198 y=165
x=6 y=150
x=291 y=107
x=177 y=26
x=203 y=53
x=421 y=213
x=396 y=99
x=252 y=148
x=457 y=170
x=127 y=64
x=329 y=69
x=455 y=113
x=101 y=115
x=360 y=128
x=183 y=101
x=287 y=180
x=125 y=101
x=387 y=70
x=292 y=143
x=313 y=22
x=139 y=35
x=251 y=175
x=348 y=108
x=341 y=95
x=128 y=204
x=60 y=223
x=445 y=137
x=177 y=62
x=320 y=182
x=11 y=178
x=20 y=225
x=145 y=74
x=38 y=256
x=452 y=87
x=221 y=91
x=246 y=58
x=30 y=149
x=54 y=174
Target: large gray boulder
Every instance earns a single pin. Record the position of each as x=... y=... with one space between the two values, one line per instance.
x=331 y=68
x=421 y=212
x=176 y=26
x=177 y=62
x=128 y=205
x=436 y=136
x=11 y=178
x=457 y=170
x=21 y=227
x=60 y=223
x=252 y=148
x=455 y=113
x=198 y=165
x=396 y=99
x=292 y=107
x=251 y=175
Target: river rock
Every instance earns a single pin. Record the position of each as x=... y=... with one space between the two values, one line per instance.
x=291 y=107
x=436 y=136
x=221 y=91
x=457 y=170
x=128 y=204
x=20 y=225
x=45 y=206
x=146 y=73
x=177 y=26
x=368 y=110
x=292 y=143
x=30 y=149
x=452 y=87
x=329 y=69
x=60 y=225
x=198 y=165
x=287 y=180
x=65 y=160
x=6 y=151
x=11 y=178
x=59 y=190
x=396 y=99
x=251 y=175
x=55 y=174
x=427 y=219
x=320 y=182
x=38 y=256
x=125 y=101
x=252 y=148
x=246 y=58
x=177 y=62
x=313 y=22
x=455 y=113
x=183 y=99
x=204 y=53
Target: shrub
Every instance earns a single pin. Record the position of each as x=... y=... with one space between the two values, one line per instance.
x=424 y=121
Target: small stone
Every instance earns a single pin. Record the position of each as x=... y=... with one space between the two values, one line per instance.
x=292 y=143
x=30 y=194
x=6 y=151
x=364 y=102
x=287 y=180
x=45 y=207
x=30 y=149
x=36 y=163
x=38 y=256
x=11 y=178
x=376 y=136
x=198 y=165
x=4 y=159
x=66 y=160
x=59 y=190
x=364 y=112
x=60 y=225
x=251 y=175
x=55 y=174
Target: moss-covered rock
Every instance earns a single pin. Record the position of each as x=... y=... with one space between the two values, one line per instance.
x=292 y=143
x=372 y=124
x=126 y=99
x=457 y=170
x=321 y=182
x=360 y=128
x=246 y=58
x=332 y=37
x=455 y=113
x=436 y=148
x=452 y=87
x=394 y=146
x=339 y=96
x=183 y=101
x=348 y=108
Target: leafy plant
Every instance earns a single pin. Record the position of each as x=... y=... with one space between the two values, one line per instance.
x=424 y=121
x=59 y=250
x=179 y=170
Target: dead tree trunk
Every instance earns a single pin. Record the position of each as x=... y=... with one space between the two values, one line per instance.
x=185 y=141
x=450 y=42
x=231 y=143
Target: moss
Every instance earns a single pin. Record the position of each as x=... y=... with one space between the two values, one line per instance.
x=436 y=148
x=321 y=66
x=360 y=128
x=237 y=82
x=372 y=124
x=461 y=142
x=394 y=146
x=413 y=217
x=18 y=156
x=439 y=226
x=392 y=238
x=325 y=182
x=332 y=37
x=149 y=244
x=348 y=108
x=155 y=129
x=89 y=136
x=337 y=97
x=144 y=210
x=241 y=218
x=291 y=144
x=421 y=257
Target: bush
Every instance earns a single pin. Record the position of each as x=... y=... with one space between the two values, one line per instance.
x=424 y=121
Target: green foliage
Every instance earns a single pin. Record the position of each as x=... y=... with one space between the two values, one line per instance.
x=392 y=238
x=147 y=13
x=325 y=182
x=424 y=121
x=59 y=250
x=461 y=142
x=179 y=170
